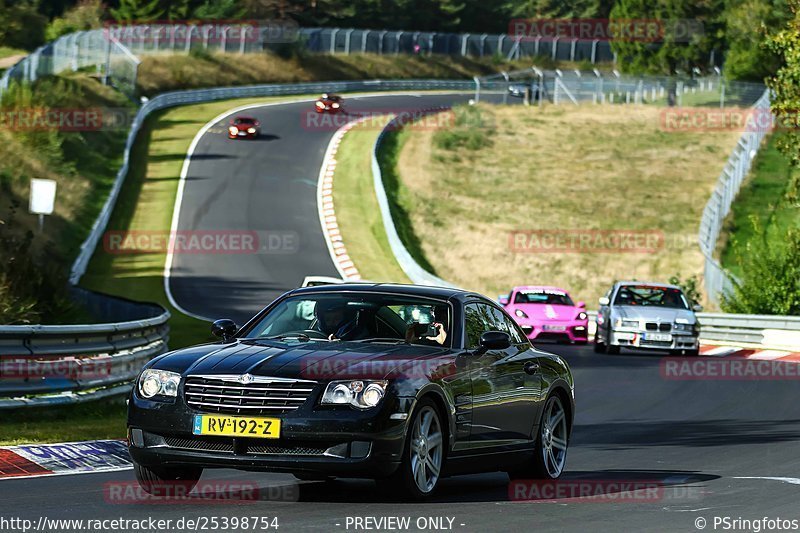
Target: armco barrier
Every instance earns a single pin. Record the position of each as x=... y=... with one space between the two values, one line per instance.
x=415 y=273
x=53 y=365
x=766 y=331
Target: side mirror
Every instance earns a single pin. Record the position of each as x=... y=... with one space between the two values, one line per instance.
x=495 y=340
x=604 y=300
x=503 y=300
x=697 y=308
x=224 y=328
x=581 y=304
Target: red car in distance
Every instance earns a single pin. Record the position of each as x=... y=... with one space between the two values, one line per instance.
x=244 y=128
x=329 y=103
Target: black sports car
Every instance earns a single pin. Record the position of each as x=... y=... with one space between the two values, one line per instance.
x=400 y=383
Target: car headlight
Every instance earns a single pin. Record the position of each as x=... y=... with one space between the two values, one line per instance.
x=335 y=106
x=688 y=328
x=251 y=130
x=582 y=316
x=158 y=383
x=320 y=105
x=233 y=130
x=358 y=393
x=520 y=313
x=622 y=323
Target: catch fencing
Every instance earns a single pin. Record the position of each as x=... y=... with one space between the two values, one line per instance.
x=717 y=280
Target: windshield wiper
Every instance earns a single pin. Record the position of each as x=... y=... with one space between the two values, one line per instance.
x=299 y=336
x=393 y=340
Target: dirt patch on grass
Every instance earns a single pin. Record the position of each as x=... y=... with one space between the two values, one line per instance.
x=561 y=170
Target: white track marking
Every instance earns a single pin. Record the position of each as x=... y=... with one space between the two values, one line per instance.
x=789 y=480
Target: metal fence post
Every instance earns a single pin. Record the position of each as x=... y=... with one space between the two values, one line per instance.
x=364 y=34
x=554 y=49
x=464 y=39
x=594 y=51
x=348 y=33
x=333 y=40
x=483 y=43
x=572 y=50
x=477 y=88
x=397 y=42
x=505 y=93
x=380 y=41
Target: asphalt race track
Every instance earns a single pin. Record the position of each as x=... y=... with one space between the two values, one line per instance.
x=268 y=186
x=694 y=439
x=713 y=448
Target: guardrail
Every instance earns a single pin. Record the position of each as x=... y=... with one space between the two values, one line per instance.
x=415 y=273
x=54 y=365
x=765 y=331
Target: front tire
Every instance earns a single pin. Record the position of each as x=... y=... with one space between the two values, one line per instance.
x=552 y=441
x=423 y=454
x=164 y=481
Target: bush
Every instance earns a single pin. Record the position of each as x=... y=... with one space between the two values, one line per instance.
x=770 y=281
x=690 y=287
x=472 y=129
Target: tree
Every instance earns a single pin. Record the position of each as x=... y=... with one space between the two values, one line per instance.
x=219 y=10
x=748 y=23
x=786 y=84
x=692 y=29
x=137 y=11
x=86 y=15
x=21 y=26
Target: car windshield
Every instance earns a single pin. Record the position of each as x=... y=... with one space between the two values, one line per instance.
x=364 y=317
x=244 y=121
x=543 y=297
x=651 y=296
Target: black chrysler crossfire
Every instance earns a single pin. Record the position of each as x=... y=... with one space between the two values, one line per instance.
x=400 y=383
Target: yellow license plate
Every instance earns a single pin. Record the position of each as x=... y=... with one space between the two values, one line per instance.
x=237 y=426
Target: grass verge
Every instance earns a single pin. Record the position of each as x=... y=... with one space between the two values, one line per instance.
x=90 y=421
x=557 y=169
x=761 y=203
x=357 y=210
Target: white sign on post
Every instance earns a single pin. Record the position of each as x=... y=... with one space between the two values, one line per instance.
x=43 y=199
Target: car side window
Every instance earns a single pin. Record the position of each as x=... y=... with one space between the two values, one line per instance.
x=477 y=320
x=502 y=323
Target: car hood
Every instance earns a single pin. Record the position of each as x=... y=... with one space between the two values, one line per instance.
x=306 y=360
x=547 y=311
x=654 y=314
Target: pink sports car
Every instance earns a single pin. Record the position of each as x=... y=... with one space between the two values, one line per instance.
x=548 y=313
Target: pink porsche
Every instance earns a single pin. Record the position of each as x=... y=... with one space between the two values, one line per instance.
x=548 y=313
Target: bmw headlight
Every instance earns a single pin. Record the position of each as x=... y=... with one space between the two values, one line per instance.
x=358 y=393
x=520 y=313
x=687 y=328
x=622 y=323
x=158 y=383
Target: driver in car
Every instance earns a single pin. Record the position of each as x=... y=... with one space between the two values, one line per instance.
x=338 y=321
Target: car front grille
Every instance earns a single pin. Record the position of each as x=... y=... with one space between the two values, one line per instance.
x=655 y=326
x=246 y=446
x=261 y=396
x=201 y=443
